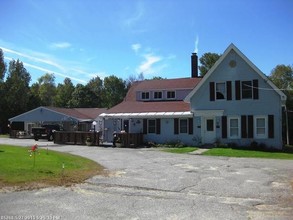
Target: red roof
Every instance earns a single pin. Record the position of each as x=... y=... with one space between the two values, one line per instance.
x=161 y=84
x=138 y=107
x=130 y=105
x=80 y=113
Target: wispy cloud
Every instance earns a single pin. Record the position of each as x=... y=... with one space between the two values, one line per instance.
x=147 y=65
x=136 y=16
x=134 y=20
x=45 y=70
x=136 y=47
x=47 y=63
x=60 y=45
x=33 y=58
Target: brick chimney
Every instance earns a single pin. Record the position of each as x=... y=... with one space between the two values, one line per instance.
x=194 y=65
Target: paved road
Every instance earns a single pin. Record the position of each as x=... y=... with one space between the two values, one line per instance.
x=149 y=184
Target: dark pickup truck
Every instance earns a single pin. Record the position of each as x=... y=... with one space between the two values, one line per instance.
x=45 y=132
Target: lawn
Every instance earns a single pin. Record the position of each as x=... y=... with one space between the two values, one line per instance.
x=180 y=150
x=19 y=167
x=4 y=135
x=229 y=152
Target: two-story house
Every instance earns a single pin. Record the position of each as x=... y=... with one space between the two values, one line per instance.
x=234 y=102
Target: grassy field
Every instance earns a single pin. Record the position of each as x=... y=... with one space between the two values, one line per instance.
x=180 y=150
x=19 y=167
x=228 y=152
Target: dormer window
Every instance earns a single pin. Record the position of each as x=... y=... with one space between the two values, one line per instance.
x=145 y=95
x=170 y=94
x=158 y=95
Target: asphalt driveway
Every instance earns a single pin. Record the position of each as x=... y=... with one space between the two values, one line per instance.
x=149 y=184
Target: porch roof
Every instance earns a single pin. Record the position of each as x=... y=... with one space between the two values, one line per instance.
x=148 y=114
x=131 y=109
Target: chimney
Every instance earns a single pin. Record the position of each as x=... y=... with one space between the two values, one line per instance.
x=194 y=65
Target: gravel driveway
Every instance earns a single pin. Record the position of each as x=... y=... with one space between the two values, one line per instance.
x=150 y=184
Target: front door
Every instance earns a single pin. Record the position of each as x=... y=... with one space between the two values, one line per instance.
x=126 y=125
x=209 y=131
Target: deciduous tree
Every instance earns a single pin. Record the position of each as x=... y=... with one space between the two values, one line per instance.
x=115 y=90
x=207 y=61
x=64 y=93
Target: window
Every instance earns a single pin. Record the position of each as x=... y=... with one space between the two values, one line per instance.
x=234 y=128
x=246 y=88
x=152 y=126
x=171 y=95
x=145 y=95
x=183 y=125
x=260 y=127
x=157 y=95
x=220 y=91
x=210 y=124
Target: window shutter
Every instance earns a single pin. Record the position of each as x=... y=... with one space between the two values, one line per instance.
x=229 y=90
x=158 y=126
x=190 y=126
x=212 y=91
x=176 y=126
x=250 y=126
x=145 y=126
x=255 y=89
x=237 y=90
x=224 y=126
x=271 y=126
x=243 y=126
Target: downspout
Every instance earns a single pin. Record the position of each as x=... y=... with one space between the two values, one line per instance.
x=287 y=125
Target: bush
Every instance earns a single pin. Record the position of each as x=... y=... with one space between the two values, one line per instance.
x=232 y=145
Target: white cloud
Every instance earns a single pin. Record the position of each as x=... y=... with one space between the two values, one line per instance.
x=33 y=58
x=60 y=45
x=136 y=16
x=45 y=70
x=147 y=65
x=46 y=63
x=136 y=47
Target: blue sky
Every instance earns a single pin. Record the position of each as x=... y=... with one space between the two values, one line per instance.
x=82 y=39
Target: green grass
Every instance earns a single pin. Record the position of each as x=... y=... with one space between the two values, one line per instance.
x=229 y=152
x=180 y=150
x=18 y=167
x=4 y=135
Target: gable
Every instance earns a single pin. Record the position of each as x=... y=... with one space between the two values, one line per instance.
x=40 y=114
x=234 y=65
x=59 y=114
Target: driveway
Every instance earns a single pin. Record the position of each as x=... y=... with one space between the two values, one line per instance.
x=150 y=184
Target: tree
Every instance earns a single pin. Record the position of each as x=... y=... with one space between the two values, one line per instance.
x=207 y=61
x=2 y=92
x=34 y=98
x=95 y=85
x=282 y=77
x=64 y=93
x=82 y=97
x=133 y=78
x=115 y=90
x=2 y=66
x=47 y=89
x=16 y=89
